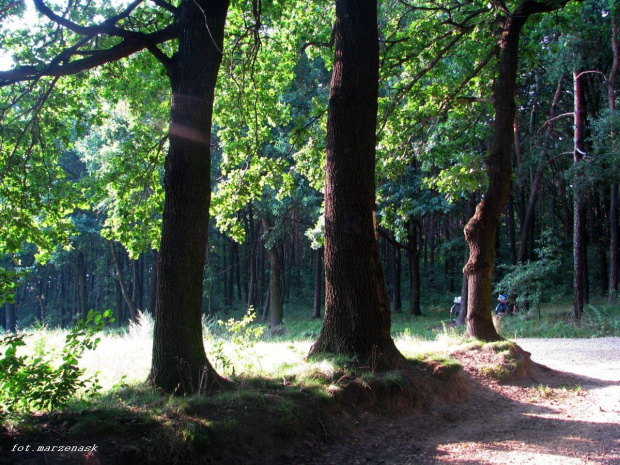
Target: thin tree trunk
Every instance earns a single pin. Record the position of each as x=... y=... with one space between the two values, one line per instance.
x=276 y=279
x=566 y=214
x=599 y=237
x=510 y=228
x=414 y=265
x=397 y=305
x=266 y=306
x=226 y=270
x=613 y=191
x=153 y=284
x=520 y=193
x=10 y=317
x=253 y=288
x=318 y=275
x=579 y=207
x=133 y=311
x=276 y=289
x=538 y=175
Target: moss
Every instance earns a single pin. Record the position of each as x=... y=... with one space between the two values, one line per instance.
x=498 y=372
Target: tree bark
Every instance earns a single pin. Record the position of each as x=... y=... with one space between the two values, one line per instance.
x=226 y=269
x=357 y=309
x=520 y=194
x=179 y=361
x=598 y=236
x=510 y=227
x=462 y=318
x=253 y=300
x=81 y=294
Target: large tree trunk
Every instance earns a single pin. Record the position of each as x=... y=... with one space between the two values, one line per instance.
x=462 y=318
x=481 y=230
x=179 y=361
x=357 y=309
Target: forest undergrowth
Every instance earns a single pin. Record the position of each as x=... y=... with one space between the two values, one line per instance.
x=277 y=389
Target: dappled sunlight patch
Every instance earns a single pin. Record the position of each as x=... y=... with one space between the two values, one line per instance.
x=501 y=453
x=119 y=357
x=411 y=346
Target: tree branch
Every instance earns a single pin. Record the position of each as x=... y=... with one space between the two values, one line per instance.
x=330 y=44
x=166 y=6
x=61 y=66
x=10 y=5
x=551 y=120
x=387 y=237
x=107 y=27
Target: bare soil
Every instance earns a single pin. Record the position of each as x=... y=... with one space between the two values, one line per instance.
x=568 y=413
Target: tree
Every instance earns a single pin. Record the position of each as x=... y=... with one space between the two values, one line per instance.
x=179 y=360
x=613 y=192
x=579 y=206
x=357 y=309
x=481 y=230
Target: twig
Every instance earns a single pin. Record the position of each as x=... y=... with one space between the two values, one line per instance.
x=324 y=429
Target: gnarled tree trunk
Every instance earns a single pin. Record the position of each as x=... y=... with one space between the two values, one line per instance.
x=481 y=230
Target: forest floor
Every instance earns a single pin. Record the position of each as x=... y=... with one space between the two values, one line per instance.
x=569 y=414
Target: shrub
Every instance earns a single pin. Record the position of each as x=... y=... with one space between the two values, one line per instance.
x=34 y=383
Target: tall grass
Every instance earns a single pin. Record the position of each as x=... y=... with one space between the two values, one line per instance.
x=124 y=356
x=554 y=320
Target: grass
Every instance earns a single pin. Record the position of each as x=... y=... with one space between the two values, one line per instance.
x=123 y=357
x=599 y=319
x=272 y=373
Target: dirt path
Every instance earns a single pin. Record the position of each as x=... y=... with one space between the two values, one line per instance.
x=568 y=416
